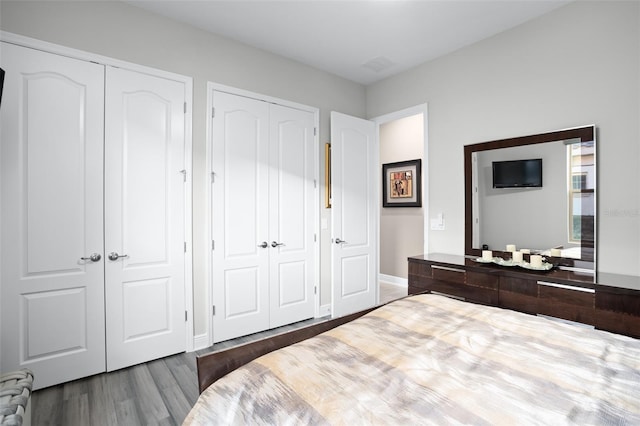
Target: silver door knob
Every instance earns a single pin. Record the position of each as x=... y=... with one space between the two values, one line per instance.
x=95 y=257
x=115 y=256
x=274 y=244
x=339 y=241
x=263 y=245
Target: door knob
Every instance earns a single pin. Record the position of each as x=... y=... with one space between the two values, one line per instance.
x=115 y=256
x=263 y=245
x=274 y=244
x=95 y=257
x=339 y=241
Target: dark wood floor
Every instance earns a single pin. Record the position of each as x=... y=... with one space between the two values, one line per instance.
x=159 y=392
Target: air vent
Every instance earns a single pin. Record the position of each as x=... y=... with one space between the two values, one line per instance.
x=378 y=64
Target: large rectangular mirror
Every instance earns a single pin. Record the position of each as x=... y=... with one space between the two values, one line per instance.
x=536 y=192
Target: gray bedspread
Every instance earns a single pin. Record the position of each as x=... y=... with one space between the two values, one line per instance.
x=429 y=359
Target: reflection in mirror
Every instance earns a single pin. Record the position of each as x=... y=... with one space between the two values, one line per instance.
x=549 y=210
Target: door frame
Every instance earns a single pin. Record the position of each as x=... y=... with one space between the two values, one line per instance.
x=188 y=149
x=205 y=339
x=397 y=115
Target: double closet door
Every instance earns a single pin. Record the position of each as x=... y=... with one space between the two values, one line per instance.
x=92 y=216
x=263 y=212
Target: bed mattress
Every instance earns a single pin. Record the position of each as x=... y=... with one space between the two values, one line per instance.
x=429 y=359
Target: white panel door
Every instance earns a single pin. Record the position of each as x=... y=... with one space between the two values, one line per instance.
x=291 y=212
x=240 y=133
x=354 y=202
x=144 y=217
x=51 y=217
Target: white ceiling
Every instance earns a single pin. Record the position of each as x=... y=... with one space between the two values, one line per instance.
x=363 y=41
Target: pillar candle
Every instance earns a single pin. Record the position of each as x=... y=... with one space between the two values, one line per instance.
x=517 y=256
x=487 y=255
x=556 y=252
x=511 y=247
x=536 y=261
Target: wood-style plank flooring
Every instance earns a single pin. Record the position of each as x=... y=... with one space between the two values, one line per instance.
x=159 y=392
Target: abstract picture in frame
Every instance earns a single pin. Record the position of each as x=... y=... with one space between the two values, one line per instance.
x=401 y=184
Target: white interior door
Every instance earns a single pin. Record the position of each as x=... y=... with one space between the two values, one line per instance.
x=51 y=217
x=144 y=217
x=240 y=223
x=291 y=212
x=354 y=224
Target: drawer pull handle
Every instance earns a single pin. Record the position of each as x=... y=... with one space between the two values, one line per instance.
x=444 y=268
x=567 y=287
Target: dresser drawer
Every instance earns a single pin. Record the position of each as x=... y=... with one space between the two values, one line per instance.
x=519 y=294
x=567 y=302
x=448 y=274
x=480 y=279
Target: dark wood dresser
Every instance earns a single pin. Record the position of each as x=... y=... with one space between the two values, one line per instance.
x=611 y=302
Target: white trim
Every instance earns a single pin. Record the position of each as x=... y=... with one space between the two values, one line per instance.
x=188 y=147
x=396 y=281
x=324 y=310
x=211 y=87
x=201 y=341
x=88 y=56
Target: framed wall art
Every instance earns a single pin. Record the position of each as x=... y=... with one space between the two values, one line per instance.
x=401 y=184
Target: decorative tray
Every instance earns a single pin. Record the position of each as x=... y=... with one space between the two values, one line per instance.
x=546 y=266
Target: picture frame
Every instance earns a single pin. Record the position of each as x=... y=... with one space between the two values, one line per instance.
x=402 y=184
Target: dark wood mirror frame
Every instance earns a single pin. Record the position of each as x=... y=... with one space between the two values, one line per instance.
x=584 y=134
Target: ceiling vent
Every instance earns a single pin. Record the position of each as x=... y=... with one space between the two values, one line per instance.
x=378 y=64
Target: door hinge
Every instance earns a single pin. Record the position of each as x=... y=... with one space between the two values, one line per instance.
x=185 y=107
x=315 y=183
x=213 y=112
x=315 y=289
x=213 y=177
x=315 y=238
x=214 y=310
x=185 y=246
x=213 y=244
x=184 y=175
x=185 y=316
x=315 y=131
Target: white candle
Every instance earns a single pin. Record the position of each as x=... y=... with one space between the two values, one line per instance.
x=487 y=255
x=517 y=256
x=511 y=247
x=556 y=252
x=536 y=261
x=525 y=251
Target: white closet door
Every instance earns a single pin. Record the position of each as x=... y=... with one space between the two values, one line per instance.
x=144 y=217
x=240 y=133
x=291 y=212
x=354 y=226
x=51 y=198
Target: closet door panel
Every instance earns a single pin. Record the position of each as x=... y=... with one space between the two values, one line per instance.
x=240 y=197
x=51 y=222
x=291 y=214
x=144 y=217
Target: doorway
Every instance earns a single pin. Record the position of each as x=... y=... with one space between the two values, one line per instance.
x=403 y=231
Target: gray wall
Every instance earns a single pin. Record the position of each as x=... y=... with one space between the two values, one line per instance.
x=576 y=66
x=124 y=32
x=401 y=228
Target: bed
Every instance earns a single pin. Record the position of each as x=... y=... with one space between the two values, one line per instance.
x=429 y=359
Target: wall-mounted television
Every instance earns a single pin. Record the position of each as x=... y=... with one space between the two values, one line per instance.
x=517 y=173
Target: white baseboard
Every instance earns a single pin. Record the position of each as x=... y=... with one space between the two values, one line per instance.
x=390 y=279
x=200 y=341
x=324 y=311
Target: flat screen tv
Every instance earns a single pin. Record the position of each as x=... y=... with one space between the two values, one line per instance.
x=517 y=173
